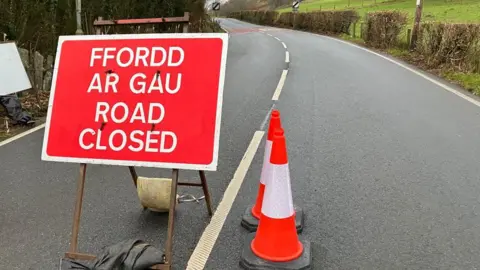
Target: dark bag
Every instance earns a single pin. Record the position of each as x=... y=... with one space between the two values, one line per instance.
x=13 y=107
x=126 y=255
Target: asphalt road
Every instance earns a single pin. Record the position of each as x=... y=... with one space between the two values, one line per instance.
x=383 y=161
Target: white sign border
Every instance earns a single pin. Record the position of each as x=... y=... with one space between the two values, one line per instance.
x=210 y=167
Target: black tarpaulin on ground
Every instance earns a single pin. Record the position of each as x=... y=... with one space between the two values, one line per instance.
x=14 y=110
x=126 y=255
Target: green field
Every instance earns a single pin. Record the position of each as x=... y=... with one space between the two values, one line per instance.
x=433 y=10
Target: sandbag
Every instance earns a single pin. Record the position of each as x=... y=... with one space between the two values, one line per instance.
x=154 y=193
x=127 y=255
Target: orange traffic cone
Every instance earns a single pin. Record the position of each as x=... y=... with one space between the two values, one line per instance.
x=276 y=244
x=252 y=214
x=274 y=124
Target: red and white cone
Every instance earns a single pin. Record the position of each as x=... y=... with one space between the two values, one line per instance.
x=266 y=167
x=252 y=214
x=276 y=244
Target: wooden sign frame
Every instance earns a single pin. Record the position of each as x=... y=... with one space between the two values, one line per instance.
x=168 y=256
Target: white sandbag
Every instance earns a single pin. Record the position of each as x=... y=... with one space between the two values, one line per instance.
x=154 y=193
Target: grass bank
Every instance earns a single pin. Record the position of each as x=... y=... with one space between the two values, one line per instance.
x=455 y=11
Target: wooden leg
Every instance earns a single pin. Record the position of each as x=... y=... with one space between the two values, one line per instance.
x=205 y=191
x=78 y=209
x=134 y=175
x=171 y=218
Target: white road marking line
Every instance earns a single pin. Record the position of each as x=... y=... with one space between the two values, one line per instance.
x=284 y=45
x=23 y=134
x=226 y=31
x=269 y=34
x=287 y=57
x=277 y=92
x=277 y=39
x=219 y=22
x=265 y=120
x=204 y=247
x=442 y=85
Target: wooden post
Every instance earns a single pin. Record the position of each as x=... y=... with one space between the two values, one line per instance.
x=78 y=209
x=354 y=28
x=98 y=29
x=409 y=33
x=186 y=15
x=78 y=11
x=171 y=218
x=416 y=25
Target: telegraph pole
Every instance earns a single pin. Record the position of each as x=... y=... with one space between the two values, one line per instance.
x=78 y=7
x=416 y=25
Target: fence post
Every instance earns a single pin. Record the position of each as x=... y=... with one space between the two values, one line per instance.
x=409 y=33
x=186 y=15
x=294 y=24
x=98 y=29
x=416 y=25
x=354 y=29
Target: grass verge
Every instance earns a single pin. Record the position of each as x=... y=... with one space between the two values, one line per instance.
x=469 y=81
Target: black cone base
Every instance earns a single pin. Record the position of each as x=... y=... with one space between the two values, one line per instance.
x=250 y=261
x=250 y=223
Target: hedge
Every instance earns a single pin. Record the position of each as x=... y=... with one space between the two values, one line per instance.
x=383 y=28
x=334 y=22
x=450 y=45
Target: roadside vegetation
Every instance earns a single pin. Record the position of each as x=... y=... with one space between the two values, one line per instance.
x=448 y=42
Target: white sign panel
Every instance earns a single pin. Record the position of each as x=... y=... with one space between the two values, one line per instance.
x=13 y=77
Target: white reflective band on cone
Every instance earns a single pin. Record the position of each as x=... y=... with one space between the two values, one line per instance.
x=266 y=167
x=277 y=200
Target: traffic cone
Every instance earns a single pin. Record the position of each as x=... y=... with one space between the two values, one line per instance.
x=252 y=214
x=276 y=244
x=274 y=123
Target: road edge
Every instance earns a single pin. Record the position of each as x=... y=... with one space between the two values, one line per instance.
x=21 y=135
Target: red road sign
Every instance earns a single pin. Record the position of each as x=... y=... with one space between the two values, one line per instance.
x=151 y=100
